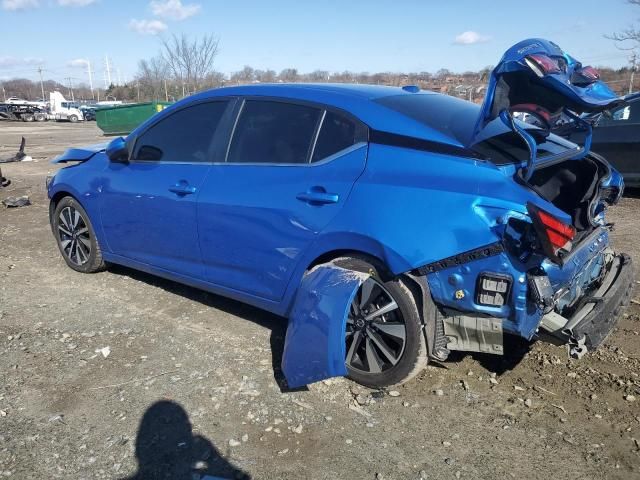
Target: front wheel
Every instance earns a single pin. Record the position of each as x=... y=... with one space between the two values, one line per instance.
x=73 y=118
x=76 y=237
x=384 y=341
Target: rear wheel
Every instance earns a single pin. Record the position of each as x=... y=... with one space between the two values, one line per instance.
x=383 y=340
x=75 y=237
x=27 y=117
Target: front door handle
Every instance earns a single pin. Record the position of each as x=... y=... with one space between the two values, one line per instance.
x=318 y=196
x=182 y=188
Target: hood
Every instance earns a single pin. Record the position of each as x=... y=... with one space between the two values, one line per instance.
x=80 y=154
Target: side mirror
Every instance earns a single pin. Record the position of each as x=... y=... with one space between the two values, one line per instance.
x=117 y=150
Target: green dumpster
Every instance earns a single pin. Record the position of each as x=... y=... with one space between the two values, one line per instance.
x=122 y=119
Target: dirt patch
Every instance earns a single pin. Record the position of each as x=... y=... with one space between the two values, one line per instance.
x=189 y=381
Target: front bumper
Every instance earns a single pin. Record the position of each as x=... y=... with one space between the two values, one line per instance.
x=598 y=314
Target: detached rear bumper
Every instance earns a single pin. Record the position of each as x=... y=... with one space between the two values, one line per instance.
x=592 y=323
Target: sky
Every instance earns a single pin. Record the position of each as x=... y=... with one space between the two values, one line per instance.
x=372 y=36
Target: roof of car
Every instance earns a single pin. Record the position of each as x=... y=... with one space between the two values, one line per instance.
x=342 y=89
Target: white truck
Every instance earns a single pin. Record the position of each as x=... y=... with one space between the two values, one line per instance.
x=62 y=109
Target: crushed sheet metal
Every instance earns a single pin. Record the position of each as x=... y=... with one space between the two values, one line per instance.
x=314 y=348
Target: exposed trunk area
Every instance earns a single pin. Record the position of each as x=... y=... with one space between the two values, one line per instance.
x=573 y=187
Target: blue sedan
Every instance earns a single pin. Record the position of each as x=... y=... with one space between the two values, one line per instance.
x=390 y=225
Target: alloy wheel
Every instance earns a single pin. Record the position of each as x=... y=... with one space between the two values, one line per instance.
x=74 y=235
x=376 y=332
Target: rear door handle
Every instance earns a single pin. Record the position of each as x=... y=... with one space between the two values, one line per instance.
x=317 y=197
x=182 y=188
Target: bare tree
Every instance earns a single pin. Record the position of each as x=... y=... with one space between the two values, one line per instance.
x=265 y=76
x=151 y=76
x=629 y=36
x=288 y=75
x=246 y=75
x=190 y=62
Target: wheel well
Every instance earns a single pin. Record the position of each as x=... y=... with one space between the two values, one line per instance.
x=383 y=270
x=53 y=203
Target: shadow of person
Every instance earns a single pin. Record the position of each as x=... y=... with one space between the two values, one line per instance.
x=166 y=448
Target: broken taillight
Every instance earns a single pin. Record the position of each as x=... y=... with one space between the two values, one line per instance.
x=555 y=236
x=584 y=76
x=543 y=65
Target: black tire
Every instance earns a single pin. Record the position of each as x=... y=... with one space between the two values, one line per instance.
x=27 y=117
x=413 y=356
x=40 y=117
x=76 y=237
x=73 y=118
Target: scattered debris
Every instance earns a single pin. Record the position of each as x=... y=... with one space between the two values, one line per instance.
x=528 y=403
x=15 y=202
x=20 y=156
x=302 y=404
x=359 y=410
x=394 y=393
x=630 y=398
x=560 y=407
x=4 y=181
x=543 y=390
x=105 y=351
x=234 y=443
x=57 y=418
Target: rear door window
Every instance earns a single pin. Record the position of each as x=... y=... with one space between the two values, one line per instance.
x=274 y=132
x=183 y=136
x=337 y=133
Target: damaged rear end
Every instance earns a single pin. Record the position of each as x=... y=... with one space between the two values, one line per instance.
x=556 y=270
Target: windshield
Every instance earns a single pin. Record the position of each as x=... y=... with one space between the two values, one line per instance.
x=456 y=118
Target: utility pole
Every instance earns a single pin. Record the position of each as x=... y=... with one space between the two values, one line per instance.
x=71 y=89
x=633 y=62
x=4 y=94
x=41 y=83
x=90 y=78
x=108 y=71
x=166 y=93
x=138 y=89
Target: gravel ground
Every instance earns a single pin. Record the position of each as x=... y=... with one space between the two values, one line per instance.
x=124 y=375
